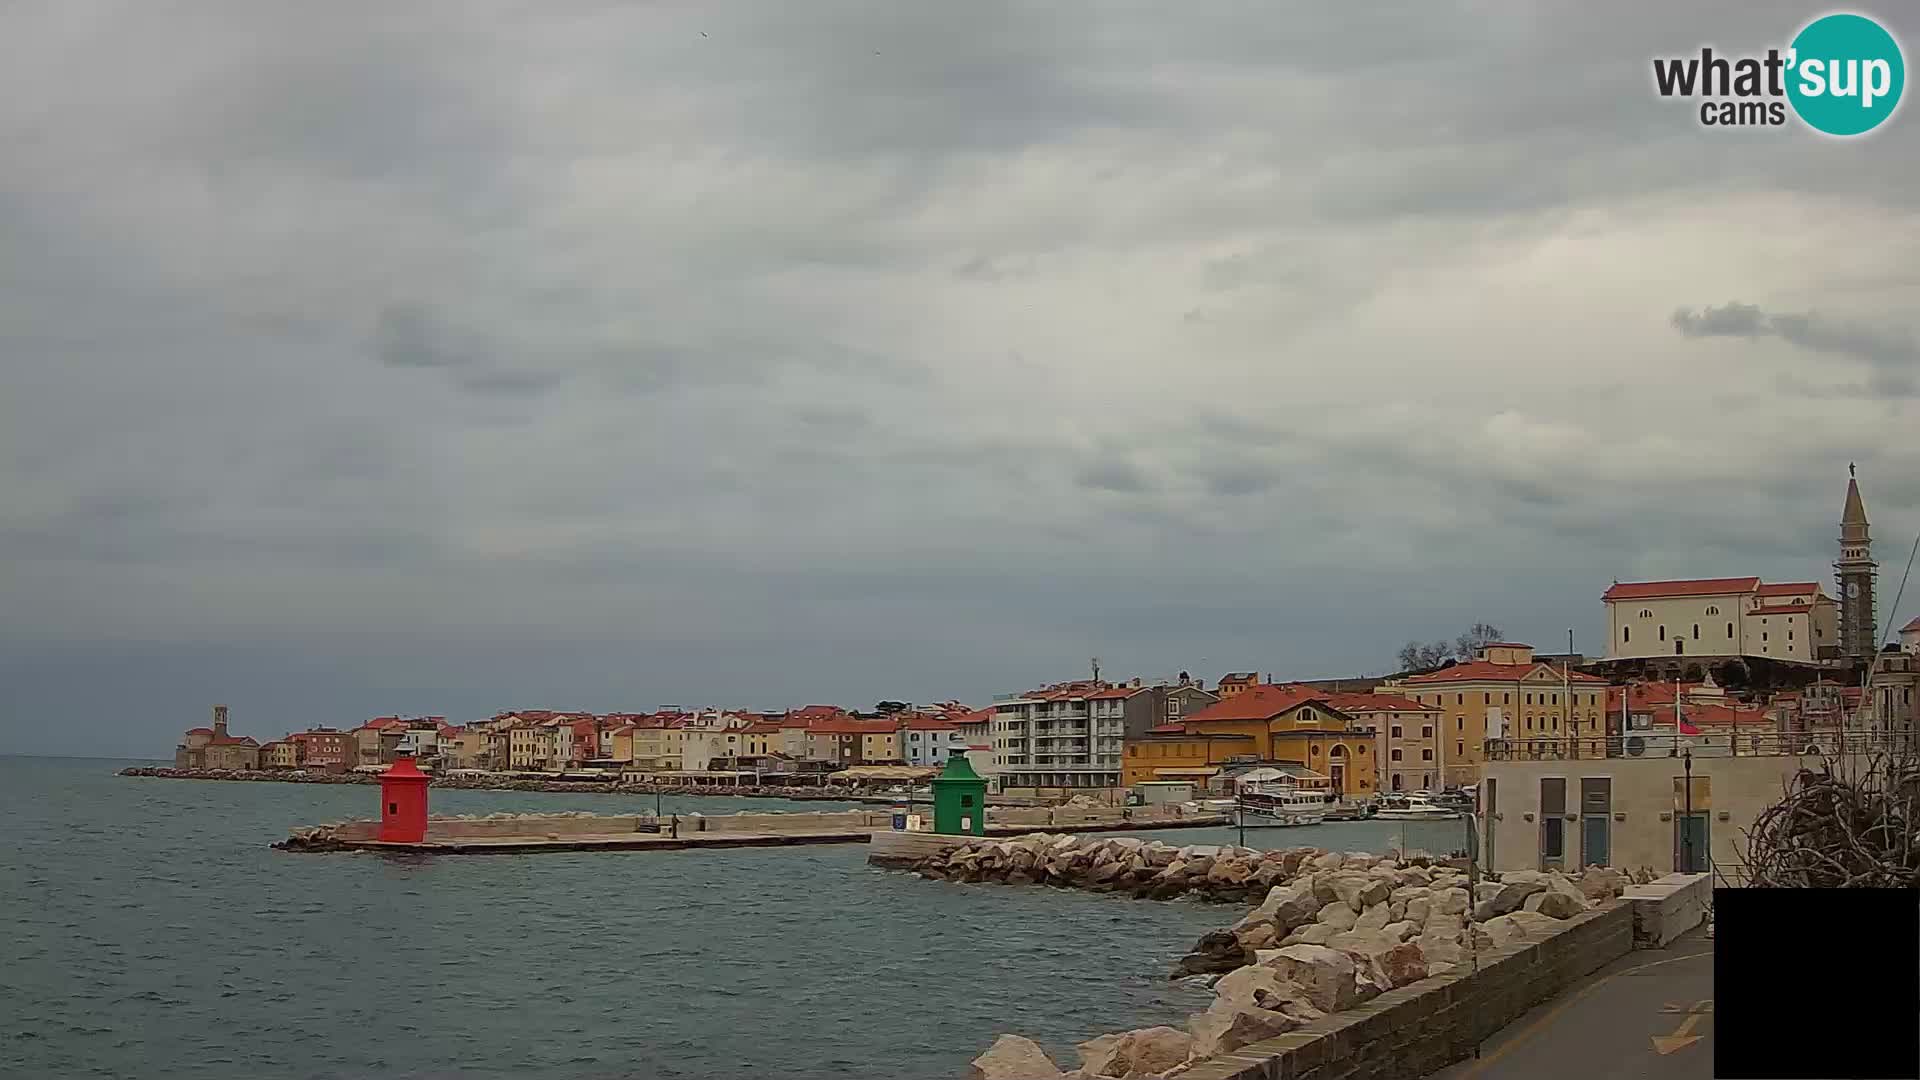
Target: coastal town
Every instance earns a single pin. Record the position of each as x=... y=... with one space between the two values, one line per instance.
x=1737 y=677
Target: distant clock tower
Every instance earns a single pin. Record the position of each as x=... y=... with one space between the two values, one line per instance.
x=1855 y=571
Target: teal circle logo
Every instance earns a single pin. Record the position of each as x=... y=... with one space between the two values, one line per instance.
x=1846 y=74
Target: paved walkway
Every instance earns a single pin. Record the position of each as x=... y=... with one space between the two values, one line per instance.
x=1647 y=1015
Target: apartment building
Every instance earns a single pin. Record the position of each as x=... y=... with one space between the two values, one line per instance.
x=1506 y=694
x=1063 y=737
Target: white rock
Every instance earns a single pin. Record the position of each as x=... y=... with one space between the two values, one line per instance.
x=1327 y=975
x=1143 y=1052
x=1013 y=1058
x=1218 y=1030
x=1338 y=915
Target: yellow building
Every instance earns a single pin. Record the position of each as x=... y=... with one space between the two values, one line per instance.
x=1262 y=724
x=880 y=746
x=1507 y=694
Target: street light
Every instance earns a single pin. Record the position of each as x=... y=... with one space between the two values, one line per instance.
x=1686 y=823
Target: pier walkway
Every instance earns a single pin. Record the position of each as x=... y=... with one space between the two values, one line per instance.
x=1646 y=1015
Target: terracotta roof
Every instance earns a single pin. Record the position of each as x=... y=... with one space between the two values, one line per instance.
x=228 y=740
x=1168 y=729
x=1790 y=588
x=1262 y=702
x=1488 y=671
x=1239 y=676
x=929 y=723
x=1649 y=590
x=1912 y=627
x=209 y=731
x=1377 y=703
x=762 y=729
x=1116 y=692
x=853 y=727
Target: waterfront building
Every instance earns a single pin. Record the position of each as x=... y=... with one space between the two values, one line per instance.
x=1910 y=637
x=929 y=741
x=1408 y=751
x=1544 y=812
x=1504 y=693
x=1265 y=725
x=1895 y=705
x=1071 y=736
x=214 y=748
x=279 y=754
x=324 y=748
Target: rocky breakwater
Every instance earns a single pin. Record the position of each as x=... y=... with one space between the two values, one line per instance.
x=1331 y=930
x=1145 y=868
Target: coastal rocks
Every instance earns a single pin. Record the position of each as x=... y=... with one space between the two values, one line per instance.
x=1602 y=883
x=1145 y=1052
x=1012 y=1057
x=1326 y=975
x=1218 y=951
x=1338 y=915
x=1226 y=1028
x=317 y=838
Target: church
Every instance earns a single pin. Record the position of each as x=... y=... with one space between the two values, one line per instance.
x=1673 y=626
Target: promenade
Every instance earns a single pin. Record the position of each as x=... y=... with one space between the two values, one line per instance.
x=1646 y=1016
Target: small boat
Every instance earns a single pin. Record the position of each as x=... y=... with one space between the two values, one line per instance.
x=1264 y=805
x=1412 y=808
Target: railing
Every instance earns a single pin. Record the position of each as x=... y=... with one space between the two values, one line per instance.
x=1716 y=743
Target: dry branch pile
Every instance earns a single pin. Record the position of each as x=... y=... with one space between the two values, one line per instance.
x=1840 y=828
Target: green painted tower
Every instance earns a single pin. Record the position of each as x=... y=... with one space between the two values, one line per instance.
x=960 y=798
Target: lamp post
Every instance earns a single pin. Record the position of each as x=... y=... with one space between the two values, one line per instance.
x=1686 y=824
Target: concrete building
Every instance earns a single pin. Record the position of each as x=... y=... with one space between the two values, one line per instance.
x=1064 y=737
x=1283 y=726
x=280 y=754
x=1631 y=812
x=1408 y=751
x=1895 y=688
x=1910 y=637
x=1716 y=618
x=1505 y=694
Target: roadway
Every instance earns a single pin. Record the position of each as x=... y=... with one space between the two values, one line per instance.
x=1646 y=1016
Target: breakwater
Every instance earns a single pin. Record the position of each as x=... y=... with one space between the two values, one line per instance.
x=821 y=793
x=1332 y=932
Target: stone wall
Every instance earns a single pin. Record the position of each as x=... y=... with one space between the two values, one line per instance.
x=1430 y=1024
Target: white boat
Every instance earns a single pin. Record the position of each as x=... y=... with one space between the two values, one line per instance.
x=1276 y=805
x=1412 y=808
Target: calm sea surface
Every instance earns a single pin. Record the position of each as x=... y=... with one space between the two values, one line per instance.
x=149 y=931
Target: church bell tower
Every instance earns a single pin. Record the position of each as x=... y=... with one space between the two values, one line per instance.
x=1854 y=571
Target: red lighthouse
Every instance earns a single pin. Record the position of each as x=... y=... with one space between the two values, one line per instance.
x=403 y=803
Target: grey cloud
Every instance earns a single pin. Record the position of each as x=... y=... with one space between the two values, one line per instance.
x=957 y=359
x=1112 y=474
x=1892 y=354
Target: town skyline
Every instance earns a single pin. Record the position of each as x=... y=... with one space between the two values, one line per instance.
x=790 y=357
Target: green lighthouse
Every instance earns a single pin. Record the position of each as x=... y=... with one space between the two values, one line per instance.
x=960 y=798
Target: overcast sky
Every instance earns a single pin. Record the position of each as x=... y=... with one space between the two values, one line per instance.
x=454 y=357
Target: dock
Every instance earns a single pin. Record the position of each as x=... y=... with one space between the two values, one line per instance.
x=524 y=834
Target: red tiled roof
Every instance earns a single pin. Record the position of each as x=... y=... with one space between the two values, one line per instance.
x=1168 y=729
x=853 y=727
x=1262 y=702
x=1648 y=590
x=200 y=731
x=1790 y=588
x=1116 y=692
x=228 y=740
x=1488 y=671
x=928 y=723
x=1377 y=703
x=1912 y=627
x=761 y=729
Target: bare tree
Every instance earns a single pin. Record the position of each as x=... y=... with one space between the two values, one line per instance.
x=1849 y=823
x=1417 y=657
x=1478 y=636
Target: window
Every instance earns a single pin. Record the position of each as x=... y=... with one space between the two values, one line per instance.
x=1395 y=731
x=1729 y=631
x=1363 y=749
x=1506 y=699
x=1426 y=755
x=1763 y=635
x=1489 y=698
x=1459 y=723
x=1394 y=754
x=1626 y=633
x=1696 y=631
x=1663 y=632
x=1529 y=699
x=1459 y=699
x=1529 y=723
x=1713 y=609
x=1426 y=731
x=1646 y=613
